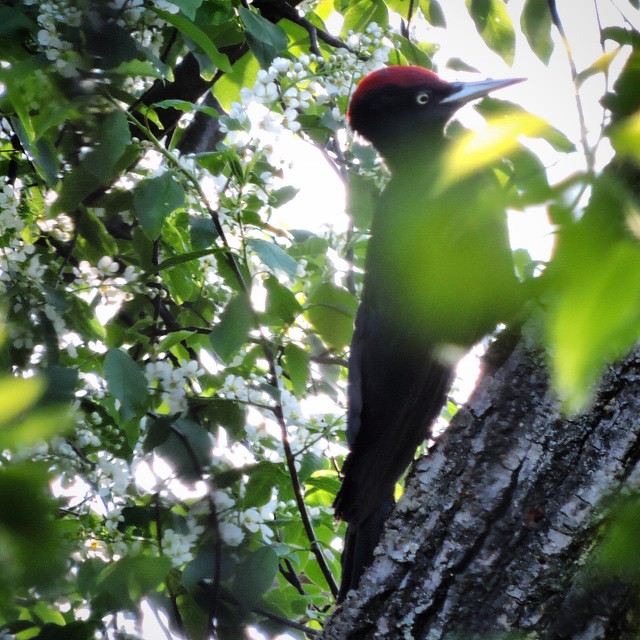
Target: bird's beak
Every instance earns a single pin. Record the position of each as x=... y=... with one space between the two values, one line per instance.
x=465 y=91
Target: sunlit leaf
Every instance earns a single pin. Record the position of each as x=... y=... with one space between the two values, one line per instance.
x=594 y=311
x=331 y=310
x=601 y=65
x=494 y=25
x=17 y=395
x=536 y=26
x=36 y=427
x=296 y=362
x=360 y=13
x=625 y=136
x=478 y=149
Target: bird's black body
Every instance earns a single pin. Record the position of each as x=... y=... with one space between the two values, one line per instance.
x=423 y=256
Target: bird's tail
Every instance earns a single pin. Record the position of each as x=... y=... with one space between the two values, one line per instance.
x=359 y=543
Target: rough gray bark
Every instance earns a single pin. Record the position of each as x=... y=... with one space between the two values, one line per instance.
x=499 y=525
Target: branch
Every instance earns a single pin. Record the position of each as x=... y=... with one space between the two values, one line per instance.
x=588 y=152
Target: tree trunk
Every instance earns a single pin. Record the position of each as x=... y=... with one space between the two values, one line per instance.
x=498 y=529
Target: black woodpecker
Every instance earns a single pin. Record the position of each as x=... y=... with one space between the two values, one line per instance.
x=438 y=276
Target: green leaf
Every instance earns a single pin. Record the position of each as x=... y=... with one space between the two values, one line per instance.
x=32 y=552
x=36 y=427
x=233 y=329
x=188 y=7
x=494 y=26
x=282 y=306
x=12 y=20
x=226 y=413
x=124 y=582
x=361 y=13
x=17 y=395
x=255 y=575
x=154 y=199
x=625 y=136
x=126 y=383
x=111 y=143
x=264 y=477
x=331 y=311
x=596 y=318
x=433 y=13
x=183 y=443
x=533 y=126
x=202 y=231
x=61 y=384
x=180 y=259
x=601 y=65
x=283 y=195
x=536 y=26
x=296 y=363
x=195 y=33
x=186 y=107
x=476 y=150
x=265 y=39
x=361 y=198
x=273 y=256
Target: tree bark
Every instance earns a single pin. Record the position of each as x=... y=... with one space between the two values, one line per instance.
x=497 y=532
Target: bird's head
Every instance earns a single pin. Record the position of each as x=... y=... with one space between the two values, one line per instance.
x=401 y=108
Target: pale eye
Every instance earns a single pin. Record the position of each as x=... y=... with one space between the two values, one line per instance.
x=423 y=97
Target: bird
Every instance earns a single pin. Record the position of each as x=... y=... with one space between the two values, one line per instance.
x=438 y=277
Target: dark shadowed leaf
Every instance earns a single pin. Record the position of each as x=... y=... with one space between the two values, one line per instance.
x=154 y=199
x=126 y=383
x=32 y=551
x=263 y=479
x=265 y=39
x=255 y=575
x=202 y=231
x=273 y=256
x=233 y=329
x=113 y=139
x=183 y=443
x=195 y=33
x=296 y=363
x=124 y=582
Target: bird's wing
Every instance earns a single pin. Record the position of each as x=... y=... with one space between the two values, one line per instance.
x=396 y=388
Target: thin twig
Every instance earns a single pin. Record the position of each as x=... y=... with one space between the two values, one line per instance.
x=588 y=152
x=269 y=356
x=315 y=34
